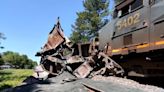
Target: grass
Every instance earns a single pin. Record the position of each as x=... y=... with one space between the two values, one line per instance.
x=13 y=77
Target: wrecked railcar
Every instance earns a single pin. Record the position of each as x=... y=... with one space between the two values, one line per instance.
x=81 y=59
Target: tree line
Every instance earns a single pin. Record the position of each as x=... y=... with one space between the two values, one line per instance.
x=17 y=60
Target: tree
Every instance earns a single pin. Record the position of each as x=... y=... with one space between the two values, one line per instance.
x=75 y=36
x=12 y=58
x=24 y=61
x=1 y=61
x=19 y=61
x=1 y=47
x=90 y=20
x=3 y=38
x=117 y=1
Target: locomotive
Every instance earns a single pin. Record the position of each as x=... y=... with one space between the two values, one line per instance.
x=135 y=37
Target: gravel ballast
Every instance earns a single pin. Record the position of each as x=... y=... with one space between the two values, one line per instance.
x=68 y=83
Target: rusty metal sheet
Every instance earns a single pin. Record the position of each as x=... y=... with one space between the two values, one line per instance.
x=54 y=59
x=74 y=59
x=54 y=39
x=83 y=70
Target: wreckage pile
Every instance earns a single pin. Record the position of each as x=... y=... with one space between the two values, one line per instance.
x=77 y=68
x=80 y=59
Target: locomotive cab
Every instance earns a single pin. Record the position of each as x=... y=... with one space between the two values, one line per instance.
x=131 y=27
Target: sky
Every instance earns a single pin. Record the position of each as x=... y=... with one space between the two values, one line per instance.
x=26 y=23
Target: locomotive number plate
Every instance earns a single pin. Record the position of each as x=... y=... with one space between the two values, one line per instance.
x=131 y=20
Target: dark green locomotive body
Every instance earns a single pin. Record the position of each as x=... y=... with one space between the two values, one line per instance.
x=136 y=37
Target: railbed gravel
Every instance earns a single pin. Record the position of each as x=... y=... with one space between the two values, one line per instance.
x=106 y=84
x=128 y=83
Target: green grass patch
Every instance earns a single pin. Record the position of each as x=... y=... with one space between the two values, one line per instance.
x=13 y=77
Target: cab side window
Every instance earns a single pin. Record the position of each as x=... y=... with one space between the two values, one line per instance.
x=127 y=7
x=115 y=13
x=125 y=10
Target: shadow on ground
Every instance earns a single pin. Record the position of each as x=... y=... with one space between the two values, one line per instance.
x=155 y=81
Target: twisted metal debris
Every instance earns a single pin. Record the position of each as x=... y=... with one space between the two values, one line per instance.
x=80 y=59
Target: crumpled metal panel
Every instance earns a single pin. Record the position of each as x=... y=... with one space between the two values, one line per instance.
x=55 y=38
x=74 y=59
x=83 y=70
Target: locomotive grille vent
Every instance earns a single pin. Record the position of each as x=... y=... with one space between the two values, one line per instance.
x=127 y=40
